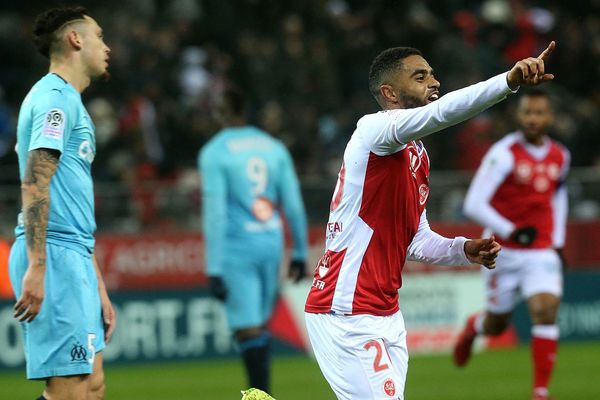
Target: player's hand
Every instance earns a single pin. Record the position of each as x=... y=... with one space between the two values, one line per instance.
x=217 y=288
x=29 y=304
x=531 y=71
x=109 y=317
x=483 y=251
x=524 y=236
x=297 y=270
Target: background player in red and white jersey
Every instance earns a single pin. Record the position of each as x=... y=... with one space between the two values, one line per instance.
x=519 y=195
x=378 y=220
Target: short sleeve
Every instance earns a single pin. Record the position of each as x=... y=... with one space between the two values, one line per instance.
x=53 y=119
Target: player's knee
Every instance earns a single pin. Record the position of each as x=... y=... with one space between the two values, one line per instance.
x=496 y=325
x=96 y=386
x=543 y=316
x=248 y=333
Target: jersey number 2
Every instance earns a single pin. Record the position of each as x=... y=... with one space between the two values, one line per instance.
x=377 y=364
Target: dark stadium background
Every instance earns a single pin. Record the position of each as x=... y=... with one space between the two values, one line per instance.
x=303 y=64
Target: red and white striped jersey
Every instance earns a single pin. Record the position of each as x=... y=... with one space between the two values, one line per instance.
x=377 y=215
x=519 y=184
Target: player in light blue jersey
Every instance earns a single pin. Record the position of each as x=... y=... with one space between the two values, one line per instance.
x=62 y=302
x=248 y=182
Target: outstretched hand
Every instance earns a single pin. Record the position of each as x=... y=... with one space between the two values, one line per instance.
x=531 y=71
x=483 y=251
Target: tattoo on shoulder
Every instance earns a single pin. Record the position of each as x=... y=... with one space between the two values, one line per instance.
x=41 y=165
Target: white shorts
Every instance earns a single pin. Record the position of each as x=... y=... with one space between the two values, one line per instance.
x=520 y=274
x=361 y=356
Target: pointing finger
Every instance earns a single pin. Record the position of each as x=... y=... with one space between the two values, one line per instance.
x=546 y=53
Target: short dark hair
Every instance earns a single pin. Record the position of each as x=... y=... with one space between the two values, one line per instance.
x=539 y=92
x=47 y=23
x=234 y=101
x=387 y=61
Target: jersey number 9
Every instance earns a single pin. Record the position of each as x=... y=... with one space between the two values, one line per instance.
x=258 y=174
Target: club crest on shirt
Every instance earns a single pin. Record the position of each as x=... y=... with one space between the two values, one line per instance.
x=78 y=353
x=389 y=387
x=323 y=266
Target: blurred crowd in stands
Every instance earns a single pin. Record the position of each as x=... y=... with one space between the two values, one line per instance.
x=304 y=66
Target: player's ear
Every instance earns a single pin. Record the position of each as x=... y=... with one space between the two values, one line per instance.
x=388 y=94
x=74 y=39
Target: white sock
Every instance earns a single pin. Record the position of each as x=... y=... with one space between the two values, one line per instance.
x=546 y=331
x=479 y=323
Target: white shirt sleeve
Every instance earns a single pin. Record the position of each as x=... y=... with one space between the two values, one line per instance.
x=388 y=131
x=560 y=207
x=494 y=168
x=430 y=247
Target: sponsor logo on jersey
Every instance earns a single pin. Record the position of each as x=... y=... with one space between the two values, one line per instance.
x=333 y=228
x=553 y=171
x=524 y=172
x=86 y=152
x=78 y=353
x=262 y=209
x=389 y=387
x=541 y=183
x=318 y=284
x=54 y=124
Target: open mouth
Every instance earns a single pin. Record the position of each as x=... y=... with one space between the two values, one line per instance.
x=434 y=96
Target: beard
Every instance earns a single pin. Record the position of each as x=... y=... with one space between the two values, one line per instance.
x=411 y=101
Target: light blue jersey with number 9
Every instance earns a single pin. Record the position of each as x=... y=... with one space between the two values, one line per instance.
x=248 y=178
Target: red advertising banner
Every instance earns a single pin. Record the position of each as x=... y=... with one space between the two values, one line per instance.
x=176 y=260
x=151 y=261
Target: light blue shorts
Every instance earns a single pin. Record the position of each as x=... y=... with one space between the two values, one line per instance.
x=65 y=336
x=252 y=284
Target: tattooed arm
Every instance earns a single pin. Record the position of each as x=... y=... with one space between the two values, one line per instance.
x=35 y=190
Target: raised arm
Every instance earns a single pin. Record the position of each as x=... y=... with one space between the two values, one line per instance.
x=389 y=130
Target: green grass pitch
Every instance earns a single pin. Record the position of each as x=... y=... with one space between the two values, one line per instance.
x=492 y=375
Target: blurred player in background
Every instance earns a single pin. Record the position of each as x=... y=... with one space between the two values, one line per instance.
x=519 y=195
x=248 y=181
x=378 y=220
x=62 y=303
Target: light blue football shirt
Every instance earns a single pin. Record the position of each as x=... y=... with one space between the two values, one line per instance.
x=248 y=177
x=52 y=116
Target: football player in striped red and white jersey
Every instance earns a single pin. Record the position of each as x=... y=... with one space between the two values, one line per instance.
x=519 y=195
x=378 y=220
